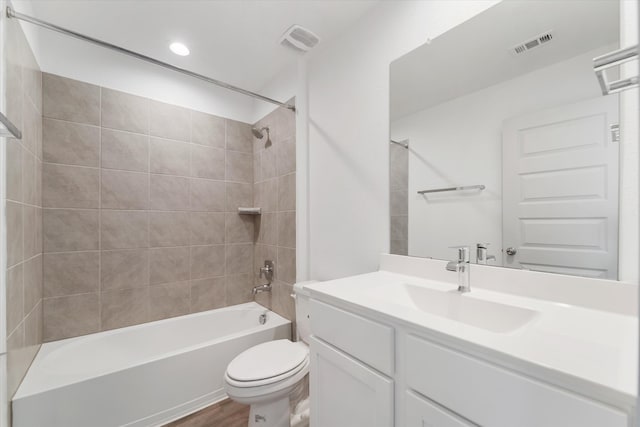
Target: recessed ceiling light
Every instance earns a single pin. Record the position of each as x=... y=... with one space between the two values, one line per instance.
x=179 y=49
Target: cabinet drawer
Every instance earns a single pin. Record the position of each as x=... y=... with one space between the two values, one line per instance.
x=493 y=396
x=422 y=413
x=364 y=339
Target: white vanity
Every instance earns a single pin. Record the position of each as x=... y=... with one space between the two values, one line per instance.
x=401 y=347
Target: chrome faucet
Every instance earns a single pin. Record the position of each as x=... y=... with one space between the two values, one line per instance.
x=267 y=272
x=481 y=254
x=461 y=266
x=261 y=288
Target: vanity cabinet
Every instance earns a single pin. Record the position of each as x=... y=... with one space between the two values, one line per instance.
x=371 y=374
x=347 y=393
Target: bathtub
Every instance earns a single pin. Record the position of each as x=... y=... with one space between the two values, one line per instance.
x=143 y=375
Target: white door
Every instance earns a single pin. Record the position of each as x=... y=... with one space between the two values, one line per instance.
x=560 y=190
x=345 y=392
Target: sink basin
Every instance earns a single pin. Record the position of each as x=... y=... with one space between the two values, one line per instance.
x=453 y=305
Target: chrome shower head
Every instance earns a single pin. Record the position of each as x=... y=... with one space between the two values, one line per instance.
x=258 y=133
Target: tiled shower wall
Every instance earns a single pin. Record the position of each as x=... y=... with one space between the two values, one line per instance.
x=399 y=201
x=275 y=191
x=140 y=209
x=23 y=81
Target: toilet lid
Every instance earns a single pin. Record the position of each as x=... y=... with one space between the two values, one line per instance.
x=267 y=360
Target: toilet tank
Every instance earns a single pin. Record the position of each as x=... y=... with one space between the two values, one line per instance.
x=301 y=295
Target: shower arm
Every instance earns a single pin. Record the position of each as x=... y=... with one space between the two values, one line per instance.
x=13 y=14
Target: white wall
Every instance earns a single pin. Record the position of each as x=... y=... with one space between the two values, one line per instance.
x=459 y=142
x=348 y=89
x=115 y=71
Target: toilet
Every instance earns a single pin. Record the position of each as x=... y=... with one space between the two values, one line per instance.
x=265 y=375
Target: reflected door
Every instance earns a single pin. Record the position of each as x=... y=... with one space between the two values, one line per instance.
x=560 y=190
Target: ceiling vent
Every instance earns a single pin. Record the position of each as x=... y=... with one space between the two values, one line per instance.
x=533 y=43
x=299 y=38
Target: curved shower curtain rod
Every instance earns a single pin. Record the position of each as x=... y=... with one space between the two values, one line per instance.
x=13 y=14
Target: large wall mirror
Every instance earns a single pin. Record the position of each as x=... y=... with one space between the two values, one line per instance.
x=502 y=140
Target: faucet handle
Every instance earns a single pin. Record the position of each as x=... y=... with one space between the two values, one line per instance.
x=482 y=245
x=463 y=252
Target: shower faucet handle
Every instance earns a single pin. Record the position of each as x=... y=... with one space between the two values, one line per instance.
x=267 y=270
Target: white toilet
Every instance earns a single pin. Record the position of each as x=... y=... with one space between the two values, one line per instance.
x=265 y=375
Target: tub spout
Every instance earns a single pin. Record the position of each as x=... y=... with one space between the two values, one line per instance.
x=262 y=288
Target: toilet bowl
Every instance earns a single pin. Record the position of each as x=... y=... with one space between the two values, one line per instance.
x=265 y=375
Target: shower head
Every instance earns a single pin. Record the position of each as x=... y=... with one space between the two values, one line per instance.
x=258 y=133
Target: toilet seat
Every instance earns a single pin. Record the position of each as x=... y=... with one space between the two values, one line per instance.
x=267 y=363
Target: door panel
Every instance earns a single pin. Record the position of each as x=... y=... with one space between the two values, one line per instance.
x=560 y=190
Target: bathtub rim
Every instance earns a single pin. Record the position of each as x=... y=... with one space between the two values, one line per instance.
x=38 y=387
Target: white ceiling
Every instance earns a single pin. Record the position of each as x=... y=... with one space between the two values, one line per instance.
x=234 y=41
x=477 y=54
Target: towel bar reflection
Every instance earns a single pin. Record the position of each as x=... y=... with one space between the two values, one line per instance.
x=8 y=129
x=466 y=187
x=612 y=59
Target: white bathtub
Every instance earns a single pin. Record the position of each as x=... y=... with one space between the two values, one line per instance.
x=143 y=375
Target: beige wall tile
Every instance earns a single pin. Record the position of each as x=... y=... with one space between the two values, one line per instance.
x=287 y=229
x=169 y=192
x=124 y=269
x=70 y=316
x=239 y=195
x=207 y=195
x=70 y=143
x=207 y=294
x=400 y=247
x=32 y=233
x=169 y=121
x=266 y=195
x=207 y=261
x=70 y=100
x=33 y=328
x=287 y=192
x=168 y=229
x=168 y=265
x=70 y=186
x=267 y=229
x=207 y=129
x=239 y=259
x=286 y=152
x=31 y=128
x=124 y=307
x=239 y=136
x=399 y=203
x=15 y=241
x=18 y=359
x=239 y=166
x=169 y=157
x=399 y=227
x=124 y=229
x=169 y=300
x=282 y=303
x=286 y=265
x=70 y=230
x=29 y=184
x=71 y=273
x=125 y=150
x=239 y=228
x=207 y=228
x=207 y=162
x=14 y=170
x=124 y=111
x=124 y=190
x=238 y=289
x=15 y=297
x=268 y=163
x=32 y=283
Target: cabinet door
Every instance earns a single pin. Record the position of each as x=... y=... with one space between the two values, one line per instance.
x=345 y=392
x=422 y=413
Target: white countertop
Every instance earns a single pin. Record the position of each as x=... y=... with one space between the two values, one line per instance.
x=586 y=350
